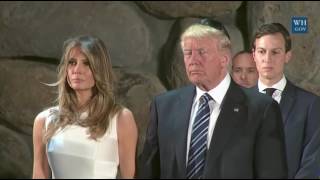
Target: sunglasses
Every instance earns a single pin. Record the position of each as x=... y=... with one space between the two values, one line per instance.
x=215 y=24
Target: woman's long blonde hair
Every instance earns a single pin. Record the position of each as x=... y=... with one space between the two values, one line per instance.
x=102 y=106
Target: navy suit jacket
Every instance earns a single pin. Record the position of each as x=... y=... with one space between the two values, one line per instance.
x=301 y=117
x=247 y=142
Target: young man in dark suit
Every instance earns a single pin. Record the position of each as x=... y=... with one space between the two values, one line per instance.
x=213 y=128
x=300 y=109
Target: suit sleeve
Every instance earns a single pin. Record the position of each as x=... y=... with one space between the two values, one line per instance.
x=149 y=160
x=310 y=162
x=270 y=155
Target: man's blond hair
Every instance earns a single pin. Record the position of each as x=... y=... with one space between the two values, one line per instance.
x=199 y=31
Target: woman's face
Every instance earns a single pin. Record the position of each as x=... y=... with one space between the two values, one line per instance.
x=79 y=73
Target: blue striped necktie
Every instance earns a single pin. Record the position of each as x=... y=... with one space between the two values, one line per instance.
x=199 y=139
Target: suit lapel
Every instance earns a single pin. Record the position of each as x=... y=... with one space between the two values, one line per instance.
x=287 y=100
x=182 y=117
x=233 y=109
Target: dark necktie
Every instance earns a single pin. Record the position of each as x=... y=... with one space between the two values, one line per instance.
x=199 y=138
x=270 y=91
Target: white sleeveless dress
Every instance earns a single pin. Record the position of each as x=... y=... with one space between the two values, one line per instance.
x=71 y=154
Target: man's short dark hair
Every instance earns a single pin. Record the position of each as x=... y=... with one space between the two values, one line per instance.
x=273 y=28
x=241 y=52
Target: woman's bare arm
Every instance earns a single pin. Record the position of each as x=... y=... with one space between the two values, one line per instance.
x=40 y=160
x=127 y=140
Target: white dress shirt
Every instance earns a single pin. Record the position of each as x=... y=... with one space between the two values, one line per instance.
x=279 y=86
x=217 y=95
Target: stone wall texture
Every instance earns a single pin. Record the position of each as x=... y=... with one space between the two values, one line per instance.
x=143 y=38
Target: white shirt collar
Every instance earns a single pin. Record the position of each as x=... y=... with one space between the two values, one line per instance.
x=280 y=85
x=218 y=92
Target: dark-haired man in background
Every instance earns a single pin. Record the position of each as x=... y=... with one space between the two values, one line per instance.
x=300 y=109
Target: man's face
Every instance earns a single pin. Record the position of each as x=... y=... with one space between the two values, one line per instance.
x=270 y=56
x=205 y=63
x=244 y=71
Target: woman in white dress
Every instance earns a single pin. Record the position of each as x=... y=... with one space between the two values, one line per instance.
x=88 y=134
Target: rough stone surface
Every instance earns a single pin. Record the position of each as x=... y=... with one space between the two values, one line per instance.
x=15 y=155
x=23 y=94
x=135 y=90
x=116 y=23
x=178 y=9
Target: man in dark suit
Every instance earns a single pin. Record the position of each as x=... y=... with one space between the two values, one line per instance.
x=213 y=128
x=300 y=109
